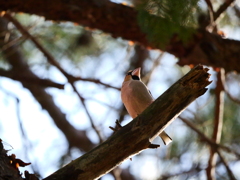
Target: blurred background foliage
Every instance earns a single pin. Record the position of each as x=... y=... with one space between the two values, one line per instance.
x=93 y=54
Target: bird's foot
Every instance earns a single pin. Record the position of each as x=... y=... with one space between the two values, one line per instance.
x=118 y=126
x=153 y=146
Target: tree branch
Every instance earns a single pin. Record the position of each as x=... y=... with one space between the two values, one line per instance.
x=222 y=8
x=138 y=134
x=218 y=121
x=30 y=79
x=19 y=66
x=48 y=55
x=208 y=140
x=121 y=21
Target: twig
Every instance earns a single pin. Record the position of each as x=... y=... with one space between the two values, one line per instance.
x=231 y=97
x=24 y=136
x=230 y=173
x=222 y=8
x=210 y=7
x=97 y=81
x=211 y=12
x=208 y=140
x=218 y=121
x=87 y=112
x=195 y=169
x=156 y=62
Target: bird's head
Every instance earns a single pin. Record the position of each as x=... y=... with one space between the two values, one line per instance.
x=133 y=75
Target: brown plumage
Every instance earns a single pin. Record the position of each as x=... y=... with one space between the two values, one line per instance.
x=136 y=97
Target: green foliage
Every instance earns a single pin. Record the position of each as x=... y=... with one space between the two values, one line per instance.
x=161 y=19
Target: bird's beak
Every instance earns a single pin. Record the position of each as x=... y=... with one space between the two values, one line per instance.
x=137 y=72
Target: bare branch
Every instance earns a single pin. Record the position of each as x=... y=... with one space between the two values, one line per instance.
x=230 y=173
x=194 y=170
x=208 y=140
x=28 y=79
x=87 y=112
x=222 y=8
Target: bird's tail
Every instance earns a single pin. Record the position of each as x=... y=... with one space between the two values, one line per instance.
x=165 y=138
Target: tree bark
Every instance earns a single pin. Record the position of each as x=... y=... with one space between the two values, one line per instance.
x=121 y=21
x=7 y=168
x=139 y=133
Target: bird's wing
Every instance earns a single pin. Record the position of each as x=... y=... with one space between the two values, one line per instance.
x=150 y=93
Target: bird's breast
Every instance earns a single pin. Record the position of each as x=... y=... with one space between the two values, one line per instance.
x=136 y=98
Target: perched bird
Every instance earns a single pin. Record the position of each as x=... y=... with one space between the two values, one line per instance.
x=136 y=97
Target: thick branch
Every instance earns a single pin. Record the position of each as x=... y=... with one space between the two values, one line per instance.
x=135 y=136
x=121 y=21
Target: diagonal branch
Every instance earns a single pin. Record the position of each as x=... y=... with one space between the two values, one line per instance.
x=229 y=171
x=138 y=134
x=222 y=8
x=208 y=140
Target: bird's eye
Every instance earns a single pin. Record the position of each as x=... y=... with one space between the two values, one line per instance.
x=134 y=77
x=129 y=72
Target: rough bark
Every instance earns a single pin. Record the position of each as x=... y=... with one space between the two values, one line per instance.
x=138 y=134
x=7 y=169
x=121 y=21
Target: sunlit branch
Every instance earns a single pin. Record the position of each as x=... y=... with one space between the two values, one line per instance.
x=205 y=47
x=211 y=12
x=218 y=122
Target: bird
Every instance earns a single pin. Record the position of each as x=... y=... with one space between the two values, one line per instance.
x=136 y=97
